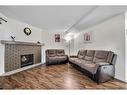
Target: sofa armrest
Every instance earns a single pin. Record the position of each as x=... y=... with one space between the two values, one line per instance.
x=105 y=73
x=73 y=56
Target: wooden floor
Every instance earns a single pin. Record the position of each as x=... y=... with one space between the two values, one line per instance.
x=56 y=77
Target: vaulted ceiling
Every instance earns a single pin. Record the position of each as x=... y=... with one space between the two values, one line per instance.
x=62 y=18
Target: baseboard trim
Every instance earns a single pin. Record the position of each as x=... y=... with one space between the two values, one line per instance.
x=21 y=69
x=120 y=80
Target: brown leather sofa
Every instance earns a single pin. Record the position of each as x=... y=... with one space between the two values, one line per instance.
x=56 y=56
x=97 y=64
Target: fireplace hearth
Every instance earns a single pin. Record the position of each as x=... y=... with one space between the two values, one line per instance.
x=26 y=60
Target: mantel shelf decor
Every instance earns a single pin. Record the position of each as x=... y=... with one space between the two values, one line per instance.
x=20 y=43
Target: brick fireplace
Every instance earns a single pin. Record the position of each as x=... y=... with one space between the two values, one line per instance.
x=21 y=54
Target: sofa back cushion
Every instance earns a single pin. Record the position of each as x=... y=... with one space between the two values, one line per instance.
x=81 y=53
x=51 y=52
x=103 y=56
x=60 y=52
x=89 y=55
x=110 y=57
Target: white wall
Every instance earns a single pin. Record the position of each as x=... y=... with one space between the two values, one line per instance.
x=2 y=47
x=109 y=35
x=14 y=27
x=48 y=39
x=126 y=44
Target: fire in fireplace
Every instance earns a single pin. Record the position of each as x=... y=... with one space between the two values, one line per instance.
x=26 y=60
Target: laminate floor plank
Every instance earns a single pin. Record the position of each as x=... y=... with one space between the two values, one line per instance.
x=56 y=77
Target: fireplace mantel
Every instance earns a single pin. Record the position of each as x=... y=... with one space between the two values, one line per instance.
x=21 y=43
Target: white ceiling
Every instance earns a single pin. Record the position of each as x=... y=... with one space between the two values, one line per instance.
x=46 y=17
x=99 y=15
x=61 y=18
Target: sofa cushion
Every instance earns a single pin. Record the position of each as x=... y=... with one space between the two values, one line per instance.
x=79 y=61
x=102 y=63
x=52 y=60
x=51 y=53
x=92 y=68
x=110 y=57
x=96 y=60
x=81 y=53
x=88 y=62
x=61 y=58
x=100 y=56
x=89 y=55
x=72 y=60
x=60 y=52
x=88 y=58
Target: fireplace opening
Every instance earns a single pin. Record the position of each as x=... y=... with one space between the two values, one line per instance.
x=26 y=60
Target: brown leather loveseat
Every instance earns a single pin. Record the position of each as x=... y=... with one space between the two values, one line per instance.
x=56 y=56
x=97 y=64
